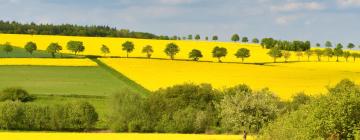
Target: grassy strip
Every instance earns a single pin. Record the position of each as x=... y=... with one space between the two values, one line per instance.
x=122 y=77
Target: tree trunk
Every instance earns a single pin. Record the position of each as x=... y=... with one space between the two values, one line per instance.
x=219 y=59
x=127 y=55
x=337 y=58
x=274 y=59
x=242 y=60
x=308 y=58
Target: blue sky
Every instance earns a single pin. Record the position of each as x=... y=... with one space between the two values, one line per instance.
x=318 y=21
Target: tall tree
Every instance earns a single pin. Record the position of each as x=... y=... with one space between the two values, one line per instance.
x=195 y=54
x=171 y=50
x=245 y=39
x=54 y=48
x=219 y=52
x=215 y=38
x=104 y=49
x=351 y=46
x=148 y=49
x=329 y=53
x=242 y=53
x=275 y=53
x=235 y=38
x=255 y=40
x=355 y=55
x=8 y=48
x=338 y=51
x=30 y=47
x=328 y=44
x=319 y=53
x=346 y=55
x=308 y=53
x=197 y=37
x=128 y=46
x=75 y=46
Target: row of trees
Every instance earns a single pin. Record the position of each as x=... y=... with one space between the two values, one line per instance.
x=328 y=44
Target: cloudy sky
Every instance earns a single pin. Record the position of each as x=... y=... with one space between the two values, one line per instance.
x=320 y=20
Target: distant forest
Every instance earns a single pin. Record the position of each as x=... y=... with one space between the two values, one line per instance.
x=72 y=30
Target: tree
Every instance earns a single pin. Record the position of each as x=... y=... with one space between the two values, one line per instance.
x=275 y=53
x=255 y=40
x=8 y=48
x=148 y=49
x=329 y=53
x=318 y=45
x=30 y=47
x=190 y=37
x=206 y=38
x=75 y=46
x=299 y=54
x=104 y=49
x=350 y=46
x=215 y=38
x=328 y=44
x=287 y=55
x=54 y=48
x=171 y=50
x=197 y=37
x=242 y=53
x=195 y=54
x=128 y=46
x=235 y=38
x=338 y=51
x=16 y=94
x=319 y=53
x=219 y=52
x=355 y=55
x=268 y=43
x=245 y=39
x=346 y=55
x=308 y=53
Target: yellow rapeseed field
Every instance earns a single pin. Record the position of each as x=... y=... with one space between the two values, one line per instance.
x=46 y=62
x=114 y=136
x=93 y=45
x=285 y=79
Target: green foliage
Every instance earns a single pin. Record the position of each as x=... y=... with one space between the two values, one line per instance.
x=328 y=44
x=190 y=37
x=275 y=53
x=148 y=49
x=30 y=47
x=235 y=38
x=350 y=46
x=255 y=40
x=77 y=116
x=338 y=51
x=16 y=94
x=215 y=38
x=245 y=39
x=53 y=48
x=355 y=55
x=242 y=53
x=197 y=37
x=75 y=46
x=308 y=53
x=171 y=50
x=219 y=52
x=329 y=53
x=7 y=47
x=128 y=46
x=195 y=54
x=332 y=116
x=346 y=55
x=104 y=49
x=319 y=53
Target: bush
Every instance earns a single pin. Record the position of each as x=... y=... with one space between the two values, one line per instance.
x=78 y=116
x=16 y=94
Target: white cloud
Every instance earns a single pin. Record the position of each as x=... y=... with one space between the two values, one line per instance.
x=283 y=20
x=296 y=6
x=349 y=2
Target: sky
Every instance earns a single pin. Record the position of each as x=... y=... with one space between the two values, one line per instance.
x=317 y=21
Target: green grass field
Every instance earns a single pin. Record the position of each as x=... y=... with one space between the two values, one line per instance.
x=19 y=52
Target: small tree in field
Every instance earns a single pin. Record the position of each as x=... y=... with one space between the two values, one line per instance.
x=195 y=54
x=319 y=53
x=287 y=55
x=355 y=55
x=235 y=38
x=197 y=37
x=219 y=52
x=255 y=40
x=75 y=46
x=308 y=53
x=30 y=47
x=148 y=49
x=350 y=46
x=329 y=53
x=54 y=48
x=105 y=50
x=242 y=53
x=275 y=53
x=171 y=50
x=245 y=39
x=215 y=38
x=8 y=48
x=299 y=54
x=328 y=44
x=338 y=52
x=346 y=55
x=128 y=46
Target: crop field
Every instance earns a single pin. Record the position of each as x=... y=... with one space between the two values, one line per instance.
x=93 y=44
x=285 y=79
x=113 y=136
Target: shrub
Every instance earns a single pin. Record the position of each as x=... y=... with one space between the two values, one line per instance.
x=16 y=94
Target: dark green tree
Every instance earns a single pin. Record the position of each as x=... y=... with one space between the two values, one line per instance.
x=30 y=47
x=75 y=46
x=338 y=51
x=171 y=50
x=54 y=48
x=128 y=46
x=275 y=53
x=255 y=40
x=242 y=53
x=350 y=46
x=215 y=38
x=219 y=52
x=7 y=47
x=245 y=39
x=328 y=44
x=319 y=53
x=329 y=53
x=195 y=54
x=235 y=38
x=197 y=37
x=104 y=49
x=148 y=49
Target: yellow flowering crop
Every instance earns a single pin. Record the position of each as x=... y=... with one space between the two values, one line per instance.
x=47 y=62
x=284 y=79
x=114 y=136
